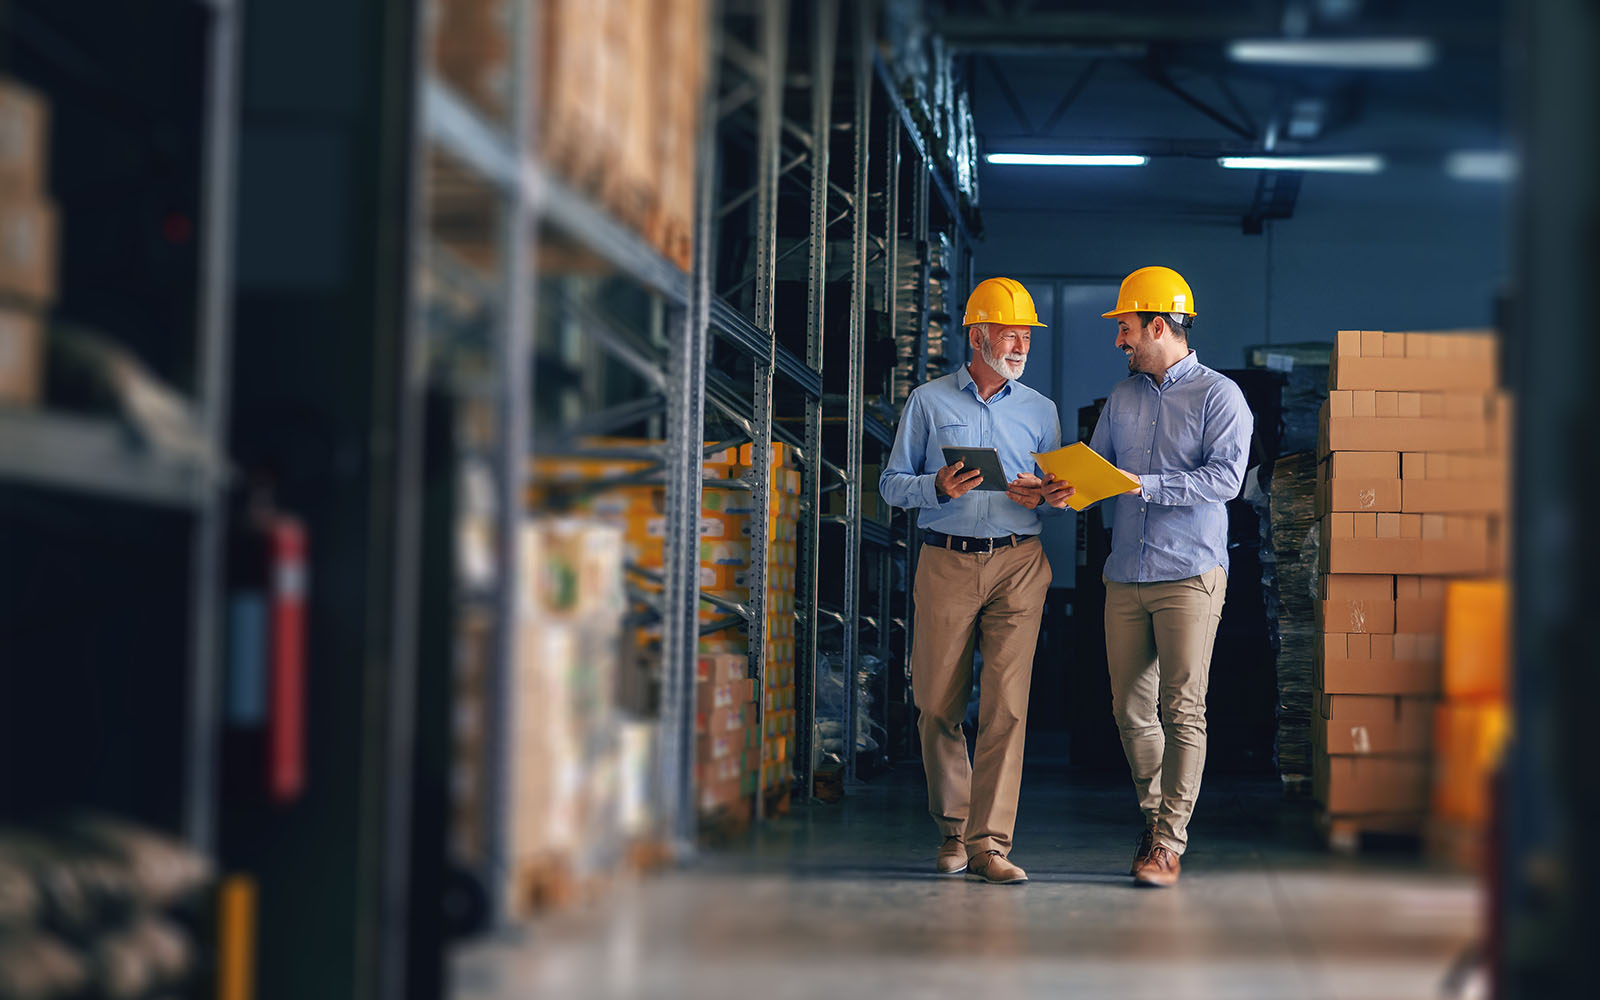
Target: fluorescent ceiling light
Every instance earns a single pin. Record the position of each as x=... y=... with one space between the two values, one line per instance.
x=1481 y=165
x=1337 y=53
x=1065 y=160
x=1364 y=164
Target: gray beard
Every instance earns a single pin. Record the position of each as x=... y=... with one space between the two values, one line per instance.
x=999 y=364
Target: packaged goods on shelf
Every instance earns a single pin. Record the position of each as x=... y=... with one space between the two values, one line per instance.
x=24 y=140
x=21 y=358
x=472 y=52
x=27 y=250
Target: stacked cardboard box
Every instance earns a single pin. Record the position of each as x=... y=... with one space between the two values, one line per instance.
x=565 y=752
x=621 y=87
x=727 y=563
x=1411 y=490
x=472 y=51
x=27 y=244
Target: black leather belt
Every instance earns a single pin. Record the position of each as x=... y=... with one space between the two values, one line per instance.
x=962 y=543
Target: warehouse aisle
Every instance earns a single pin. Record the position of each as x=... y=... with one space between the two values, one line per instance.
x=839 y=901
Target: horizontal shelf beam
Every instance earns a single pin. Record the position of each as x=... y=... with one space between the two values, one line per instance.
x=95 y=456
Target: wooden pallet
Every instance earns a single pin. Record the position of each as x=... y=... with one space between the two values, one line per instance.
x=726 y=823
x=1352 y=834
x=777 y=800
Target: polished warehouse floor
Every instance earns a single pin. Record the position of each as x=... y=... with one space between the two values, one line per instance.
x=840 y=902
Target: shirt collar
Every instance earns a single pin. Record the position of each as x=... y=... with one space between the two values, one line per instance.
x=1184 y=366
x=964 y=379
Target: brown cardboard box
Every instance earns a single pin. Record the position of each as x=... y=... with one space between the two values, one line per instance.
x=1346 y=785
x=717 y=668
x=1402 y=544
x=719 y=794
x=1423 y=421
x=21 y=359
x=711 y=696
x=23 y=118
x=1419 y=604
x=1376 y=360
x=1362 y=663
x=1356 y=616
x=1358 y=481
x=1334 y=587
x=1363 y=724
x=1447 y=483
x=27 y=250
x=725 y=720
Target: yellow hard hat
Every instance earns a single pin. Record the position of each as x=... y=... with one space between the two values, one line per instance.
x=1153 y=289
x=1003 y=301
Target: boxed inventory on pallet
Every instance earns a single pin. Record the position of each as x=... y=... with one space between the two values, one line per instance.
x=1412 y=490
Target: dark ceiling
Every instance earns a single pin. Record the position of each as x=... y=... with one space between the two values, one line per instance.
x=1155 y=79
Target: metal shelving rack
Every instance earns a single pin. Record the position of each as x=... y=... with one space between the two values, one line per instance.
x=91 y=456
x=713 y=308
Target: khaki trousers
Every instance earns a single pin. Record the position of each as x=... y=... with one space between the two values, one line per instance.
x=1159 y=638
x=993 y=600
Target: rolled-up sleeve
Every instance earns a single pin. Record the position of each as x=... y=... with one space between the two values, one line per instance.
x=904 y=483
x=1225 y=448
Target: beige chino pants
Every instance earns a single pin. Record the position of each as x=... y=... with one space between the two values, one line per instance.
x=994 y=601
x=1159 y=638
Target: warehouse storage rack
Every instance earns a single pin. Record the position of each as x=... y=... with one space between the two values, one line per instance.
x=82 y=476
x=710 y=345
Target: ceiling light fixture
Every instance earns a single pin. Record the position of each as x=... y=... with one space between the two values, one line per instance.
x=1336 y=53
x=1362 y=164
x=1482 y=165
x=1066 y=160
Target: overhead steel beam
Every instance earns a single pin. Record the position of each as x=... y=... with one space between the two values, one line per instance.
x=1067 y=99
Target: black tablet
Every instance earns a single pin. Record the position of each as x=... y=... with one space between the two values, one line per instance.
x=985 y=459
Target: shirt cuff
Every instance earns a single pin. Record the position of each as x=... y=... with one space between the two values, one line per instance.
x=934 y=499
x=1148 y=486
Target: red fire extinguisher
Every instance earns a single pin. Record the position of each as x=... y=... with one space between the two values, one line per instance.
x=266 y=682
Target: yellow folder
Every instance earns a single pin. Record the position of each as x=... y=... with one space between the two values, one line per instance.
x=1095 y=478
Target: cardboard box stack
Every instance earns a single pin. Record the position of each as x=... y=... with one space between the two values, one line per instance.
x=569 y=791
x=734 y=758
x=27 y=243
x=726 y=568
x=1411 y=491
x=621 y=87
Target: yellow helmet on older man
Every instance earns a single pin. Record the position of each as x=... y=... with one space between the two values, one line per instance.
x=1003 y=301
x=1153 y=289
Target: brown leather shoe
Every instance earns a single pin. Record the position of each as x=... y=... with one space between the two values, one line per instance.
x=992 y=867
x=952 y=858
x=1147 y=840
x=1161 y=870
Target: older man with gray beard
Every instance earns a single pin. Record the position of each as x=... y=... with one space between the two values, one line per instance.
x=981 y=576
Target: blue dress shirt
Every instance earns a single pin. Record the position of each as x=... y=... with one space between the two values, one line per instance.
x=948 y=412
x=1187 y=440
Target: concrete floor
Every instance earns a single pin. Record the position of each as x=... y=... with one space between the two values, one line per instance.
x=840 y=902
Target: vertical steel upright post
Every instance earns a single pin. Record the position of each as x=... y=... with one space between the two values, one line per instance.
x=774 y=45
x=219 y=144
x=891 y=278
x=823 y=39
x=686 y=370
x=513 y=342
x=856 y=396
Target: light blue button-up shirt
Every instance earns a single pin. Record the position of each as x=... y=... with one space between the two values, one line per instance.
x=1187 y=440
x=948 y=412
